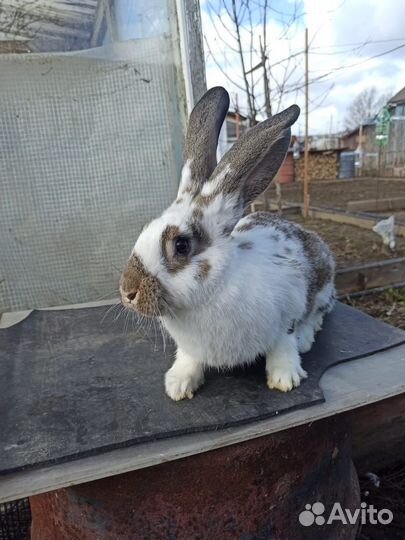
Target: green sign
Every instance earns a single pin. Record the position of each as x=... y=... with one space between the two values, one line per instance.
x=383 y=126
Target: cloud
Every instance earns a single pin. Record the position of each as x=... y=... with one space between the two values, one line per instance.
x=344 y=37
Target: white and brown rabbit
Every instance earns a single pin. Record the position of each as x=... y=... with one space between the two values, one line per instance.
x=228 y=287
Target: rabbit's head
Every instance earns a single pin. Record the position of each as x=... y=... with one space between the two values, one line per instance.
x=180 y=256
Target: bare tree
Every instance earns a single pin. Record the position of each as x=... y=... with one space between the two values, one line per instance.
x=365 y=106
x=18 y=21
x=242 y=26
x=59 y=25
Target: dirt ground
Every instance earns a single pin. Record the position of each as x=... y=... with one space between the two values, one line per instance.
x=351 y=245
x=385 y=490
x=338 y=193
x=388 y=306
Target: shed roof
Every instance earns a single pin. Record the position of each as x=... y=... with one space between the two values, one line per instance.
x=398 y=98
x=232 y=115
x=367 y=122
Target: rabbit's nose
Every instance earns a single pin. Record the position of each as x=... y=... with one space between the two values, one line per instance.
x=131 y=296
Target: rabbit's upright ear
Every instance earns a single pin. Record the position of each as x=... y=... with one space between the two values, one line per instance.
x=249 y=166
x=203 y=129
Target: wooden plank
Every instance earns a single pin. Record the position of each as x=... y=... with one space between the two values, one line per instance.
x=14 y=317
x=346 y=387
x=377 y=205
x=189 y=33
x=98 y=23
x=196 y=48
x=368 y=292
x=342 y=217
x=370 y=276
x=365 y=222
x=287 y=209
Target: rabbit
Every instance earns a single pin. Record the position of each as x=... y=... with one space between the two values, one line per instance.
x=229 y=286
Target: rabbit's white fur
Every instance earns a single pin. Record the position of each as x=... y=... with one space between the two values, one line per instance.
x=225 y=328
x=255 y=285
x=253 y=303
x=250 y=300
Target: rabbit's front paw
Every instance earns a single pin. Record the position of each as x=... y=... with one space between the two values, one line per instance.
x=283 y=365
x=183 y=378
x=285 y=377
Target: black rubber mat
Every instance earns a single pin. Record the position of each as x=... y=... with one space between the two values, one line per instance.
x=73 y=384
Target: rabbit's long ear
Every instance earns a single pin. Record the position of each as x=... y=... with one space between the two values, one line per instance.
x=203 y=129
x=249 y=166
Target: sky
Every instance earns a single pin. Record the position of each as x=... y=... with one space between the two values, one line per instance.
x=349 y=49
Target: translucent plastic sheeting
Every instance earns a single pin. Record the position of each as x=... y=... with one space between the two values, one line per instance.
x=63 y=25
x=90 y=150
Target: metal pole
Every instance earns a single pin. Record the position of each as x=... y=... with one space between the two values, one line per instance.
x=306 y=148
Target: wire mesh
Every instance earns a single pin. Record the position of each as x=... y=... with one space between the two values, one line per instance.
x=15 y=520
x=91 y=149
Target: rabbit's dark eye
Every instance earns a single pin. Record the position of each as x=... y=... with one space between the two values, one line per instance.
x=182 y=245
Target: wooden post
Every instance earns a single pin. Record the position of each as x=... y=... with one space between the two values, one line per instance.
x=306 y=149
x=237 y=117
x=360 y=169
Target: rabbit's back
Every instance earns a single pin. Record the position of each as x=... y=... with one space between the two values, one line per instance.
x=292 y=244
